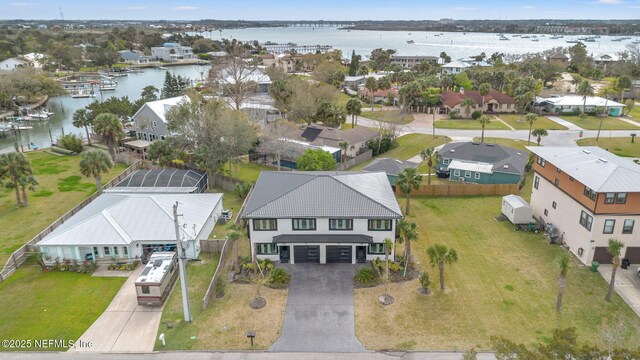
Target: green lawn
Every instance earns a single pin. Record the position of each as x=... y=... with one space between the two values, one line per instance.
x=408 y=146
x=504 y=284
x=344 y=98
x=391 y=116
x=61 y=187
x=247 y=171
x=518 y=123
x=469 y=124
x=593 y=122
x=635 y=113
x=621 y=146
x=52 y=305
x=514 y=143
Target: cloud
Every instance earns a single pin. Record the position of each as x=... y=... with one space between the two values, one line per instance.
x=22 y=5
x=186 y=7
x=609 y=1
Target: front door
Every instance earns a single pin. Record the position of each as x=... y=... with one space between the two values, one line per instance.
x=489 y=107
x=361 y=254
x=284 y=254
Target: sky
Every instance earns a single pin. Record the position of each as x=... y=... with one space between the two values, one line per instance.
x=319 y=10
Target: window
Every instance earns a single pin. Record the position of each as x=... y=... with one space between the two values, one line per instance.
x=155 y=124
x=379 y=225
x=546 y=212
x=467 y=174
x=627 y=227
x=541 y=161
x=609 y=224
x=340 y=224
x=456 y=172
x=476 y=176
x=609 y=198
x=303 y=224
x=445 y=161
x=115 y=251
x=376 y=249
x=145 y=289
x=267 y=249
x=265 y=224
x=106 y=250
x=589 y=193
x=125 y=251
x=586 y=220
x=621 y=198
x=96 y=254
x=556 y=182
x=554 y=204
x=536 y=182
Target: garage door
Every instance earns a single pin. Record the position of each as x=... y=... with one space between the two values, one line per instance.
x=633 y=254
x=602 y=256
x=339 y=254
x=306 y=254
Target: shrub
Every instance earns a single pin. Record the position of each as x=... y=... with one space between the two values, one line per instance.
x=453 y=115
x=380 y=145
x=364 y=275
x=71 y=142
x=394 y=266
x=583 y=116
x=425 y=282
x=219 y=287
x=279 y=276
x=476 y=114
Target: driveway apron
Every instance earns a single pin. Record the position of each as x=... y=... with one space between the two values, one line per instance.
x=319 y=315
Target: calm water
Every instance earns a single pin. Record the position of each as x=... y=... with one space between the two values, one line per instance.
x=64 y=106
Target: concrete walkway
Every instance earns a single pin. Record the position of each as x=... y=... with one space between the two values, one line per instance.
x=629 y=121
x=124 y=326
x=565 y=123
x=504 y=122
x=627 y=284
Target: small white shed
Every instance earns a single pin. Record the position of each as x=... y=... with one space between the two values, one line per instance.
x=516 y=209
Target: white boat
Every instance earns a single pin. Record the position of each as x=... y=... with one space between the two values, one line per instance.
x=107 y=85
x=40 y=115
x=162 y=67
x=82 y=94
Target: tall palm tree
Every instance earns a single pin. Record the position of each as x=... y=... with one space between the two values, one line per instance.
x=564 y=263
x=484 y=89
x=408 y=180
x=585 y=90
x=94 y=164
x=605 y=92
x=431 y=156
x=467 y=104
x=27 y=182
x=343 y=146
x=109 y=127
x=82 y=119
x=439 y=255
x=622 y=83
x=530 y=118
x=408 y=231
x=371 y=85
x=354 y=108
x=13 y=167
x=484 y=121
x=539 y=133
x=615 y=250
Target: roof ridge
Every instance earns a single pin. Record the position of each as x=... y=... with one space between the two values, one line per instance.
x=170 y=216
x=284 y=193
x=366 y=196
x=114 y=224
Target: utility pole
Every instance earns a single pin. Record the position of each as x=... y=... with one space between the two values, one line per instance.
x=183 y=274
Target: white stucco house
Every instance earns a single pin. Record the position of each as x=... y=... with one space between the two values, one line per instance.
x=172 y=52
x=150 y=122
x=571 y=103
x=321 y=217
x=125 y=226
x=12 y=64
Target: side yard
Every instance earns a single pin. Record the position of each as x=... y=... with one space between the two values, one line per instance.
x=593 y=122
x=388 y=116
x=621 y=146
x=408 y=146
x=517 y=122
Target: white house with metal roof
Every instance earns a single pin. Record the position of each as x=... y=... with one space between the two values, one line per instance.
x=150 y=122
x=571 y=103
x=130 y=226
x=321 y=217
x=590 y=195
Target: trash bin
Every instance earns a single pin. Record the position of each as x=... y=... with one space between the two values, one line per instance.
x=594 y=266
x=625 y=263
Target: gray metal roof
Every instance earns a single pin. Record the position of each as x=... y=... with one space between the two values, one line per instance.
x=322 y=194
x=594 y=167
x=119 y=219
x=323 y=239
x=389 y=165
x=503 y=158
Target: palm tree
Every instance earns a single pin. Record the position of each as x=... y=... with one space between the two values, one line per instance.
x=27 y=181
x=408 y=231
x=539 y=133
x=343 y=146
x=615 y=250
x=354 y=108
x=94 y=164
x=484 y=89
x=13 y=167
x=371 y=85
x=467 y=104
x=82 y=119
x=431 y=156
x=585 y=90
x=109 y=127
x=606 y=93
x=484 y=121
x=408 y=180
x=439 y=255
x=623 y=83
x=564 y=263
x=530 y=118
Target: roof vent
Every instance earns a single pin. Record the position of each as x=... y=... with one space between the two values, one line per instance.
x=505 y=166
x=453 y=150
x=519 y=154
x=603 y=160
x=586 y=151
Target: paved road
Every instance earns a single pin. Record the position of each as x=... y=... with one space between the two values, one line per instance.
x=319 y=316
x=124 y=326
x=627 y=284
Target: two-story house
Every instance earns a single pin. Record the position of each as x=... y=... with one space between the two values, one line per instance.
x=321 y=217
x=172 y=52
x=591 y=196
x=150 y=122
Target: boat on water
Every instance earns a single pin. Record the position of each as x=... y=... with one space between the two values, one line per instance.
x=162 y=67
x=503 y=38
x=8 y=126
x=535 y=39
x=410 y=41
x=107 y=85
x=83 y=94
x=39 y=115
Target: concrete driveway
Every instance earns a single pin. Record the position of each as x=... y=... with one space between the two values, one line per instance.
x=124 y=326
x=319 y=316
x=627 y=284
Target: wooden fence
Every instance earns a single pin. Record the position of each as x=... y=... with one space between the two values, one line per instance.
x=359 y=159
x=224 y=182
x=460 y=189
x=20 y=256
x=211 y=245
x=211 y=290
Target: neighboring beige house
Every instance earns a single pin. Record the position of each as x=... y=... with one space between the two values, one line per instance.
x=558 y=59
x=495 y=101
x=327 y=136
x=590 y=196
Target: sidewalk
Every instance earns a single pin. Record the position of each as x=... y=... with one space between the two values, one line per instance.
x=627 y=284
x=569 y=125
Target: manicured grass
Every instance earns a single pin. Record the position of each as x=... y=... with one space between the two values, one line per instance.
x=514 y=143
x=517 y=122
x=593 y=122
x=504 y=284
x=634 y=114
x=408 y=146
x=60 y=188
x=469 y=124
x=621 y=146
x=247 y=171
x=52 y=305
x=388 y=116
